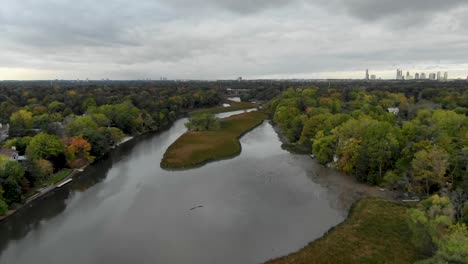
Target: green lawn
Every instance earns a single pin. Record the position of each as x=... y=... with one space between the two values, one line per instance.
x=196 y=148
x=59 y=176
x=375 y=232
x=235 y=106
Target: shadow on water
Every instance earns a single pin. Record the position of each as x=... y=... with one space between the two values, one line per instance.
x=30 y=217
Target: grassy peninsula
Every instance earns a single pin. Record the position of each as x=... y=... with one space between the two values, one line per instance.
x=196 y=148
x=375 y=232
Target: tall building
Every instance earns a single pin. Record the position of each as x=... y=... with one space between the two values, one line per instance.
x=432 y=76
x=416 y=76
x=438 y=76
x=367 y=74
x=399 y=74
x=445 y=76
x=409 y=76
x=422 y=76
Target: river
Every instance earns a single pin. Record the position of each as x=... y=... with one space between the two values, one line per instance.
x=259 y=205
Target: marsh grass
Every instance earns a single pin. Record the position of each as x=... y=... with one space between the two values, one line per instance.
x=376 y=231
x=196 y=148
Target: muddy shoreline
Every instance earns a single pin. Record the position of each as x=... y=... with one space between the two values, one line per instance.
x=344 y=189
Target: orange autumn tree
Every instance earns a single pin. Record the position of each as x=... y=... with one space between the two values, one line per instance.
x=77 y=151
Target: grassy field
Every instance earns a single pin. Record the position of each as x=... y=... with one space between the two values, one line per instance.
x=57 y=177
x=375 y=232
x=234 y=107
x=193 y=149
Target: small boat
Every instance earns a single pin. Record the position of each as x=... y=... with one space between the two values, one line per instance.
x=63 y=183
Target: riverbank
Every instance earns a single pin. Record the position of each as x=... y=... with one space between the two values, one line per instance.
x=56 y=181
x=351 y=189
x=196 y=148
x=375 y=231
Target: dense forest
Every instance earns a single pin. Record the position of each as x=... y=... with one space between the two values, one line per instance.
x=410 y=137
x=414 y=143
x=381 y=137
x=69 y=125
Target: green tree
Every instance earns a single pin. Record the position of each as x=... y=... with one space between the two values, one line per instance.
x=201 y=122
x=56 y=106
x=89 y=102
x=113 y=135
x=124 y=116
x=324 y=147
x=428 y=168
x=42 y=169
x=454 y=245
x=321 y=122
x=430 y=220
x=41 y=121
x=3 y=204
x=382 y=145
x=80 y=124
x=433 y=230
x=290 y=121
x=44 y=146
x=20 y=122
x=11 y=175
x=99 y=145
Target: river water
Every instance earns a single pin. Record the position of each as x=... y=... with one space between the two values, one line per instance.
x=262 y=204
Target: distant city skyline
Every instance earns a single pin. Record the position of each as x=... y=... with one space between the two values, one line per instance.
x=357 y=74
x=440 y=76
x=224 y=39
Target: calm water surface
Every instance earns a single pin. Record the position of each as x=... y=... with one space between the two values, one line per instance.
x=126 y=209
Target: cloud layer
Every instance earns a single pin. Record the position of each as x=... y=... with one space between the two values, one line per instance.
x=217 y=39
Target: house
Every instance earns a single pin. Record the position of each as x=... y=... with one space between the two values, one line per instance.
x=10 y=153
x=394 y=110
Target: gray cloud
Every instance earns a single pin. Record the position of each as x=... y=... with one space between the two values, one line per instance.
x=236 y=6
x=398 y=14
x=374 y=10
x=226 y=38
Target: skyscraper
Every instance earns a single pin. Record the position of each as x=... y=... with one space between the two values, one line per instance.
x=445 y=76
x=438 y=76
x=399 y=74
x=416 y=76
x=432 y=76
x=367 y=74
x=422 y=76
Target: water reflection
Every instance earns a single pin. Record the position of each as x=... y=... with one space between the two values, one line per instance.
x=126 y=209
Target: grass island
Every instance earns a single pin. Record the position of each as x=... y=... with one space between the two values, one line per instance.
x=195 y=148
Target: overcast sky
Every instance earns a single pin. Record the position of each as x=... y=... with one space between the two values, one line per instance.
x=223 y=39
